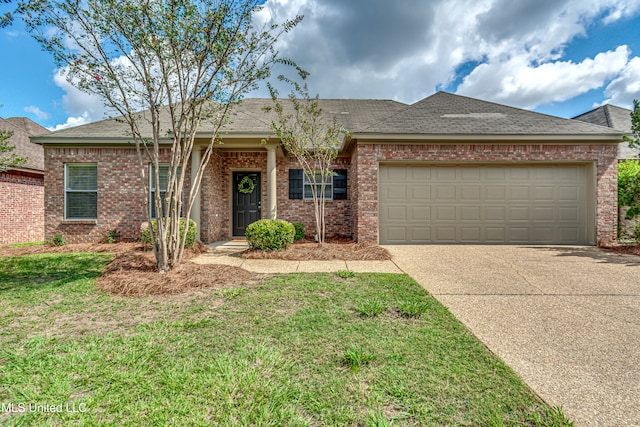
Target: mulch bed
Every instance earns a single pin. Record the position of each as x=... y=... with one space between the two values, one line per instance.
x=135 y=274
x=309 y=250
x=623 y=249
x=133 y=271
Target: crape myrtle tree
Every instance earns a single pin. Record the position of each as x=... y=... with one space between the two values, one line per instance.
x=311 y=137
x=8 y=159
x=165 y=67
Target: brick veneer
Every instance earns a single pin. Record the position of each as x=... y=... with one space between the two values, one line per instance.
x=366 y=158
x=216 y=196
x=21 y=207
x=120 y=193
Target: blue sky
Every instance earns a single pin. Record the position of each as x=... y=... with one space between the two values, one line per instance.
x=560 y=57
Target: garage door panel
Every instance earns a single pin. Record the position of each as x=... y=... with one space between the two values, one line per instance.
x=470 y=192
x=469 y=213
x=446 y=234
x=542 y=204
x=544 y=194
x=519 y=213
x=519 y=192
x=420 y=213
x=421 y=192
x=495 y=193
x=397 y=213
x=445 y=213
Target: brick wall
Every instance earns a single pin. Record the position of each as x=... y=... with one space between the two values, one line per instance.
x=338 y=221
x=21 y=207
x=367 y=157
x=217 y=202
x=120 y=193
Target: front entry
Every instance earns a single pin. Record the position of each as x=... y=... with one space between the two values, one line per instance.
x=246 y=200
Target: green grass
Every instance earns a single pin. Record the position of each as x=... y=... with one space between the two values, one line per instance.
x=20 y=245
x=271 y=354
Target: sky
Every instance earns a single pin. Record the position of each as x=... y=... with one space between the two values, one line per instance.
x=559 y=57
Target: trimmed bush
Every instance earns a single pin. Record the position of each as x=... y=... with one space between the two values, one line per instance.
x=189 y=241
x=629 y=187
x=299 y=227
x=270 y=234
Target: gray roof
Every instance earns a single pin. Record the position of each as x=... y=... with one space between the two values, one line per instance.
x=247 y=118
x=614 y=117
x=448 y=114
x=439 y=115
x=22 y=129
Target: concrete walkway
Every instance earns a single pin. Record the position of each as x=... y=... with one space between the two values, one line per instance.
x=229 y=253
x=566 y=319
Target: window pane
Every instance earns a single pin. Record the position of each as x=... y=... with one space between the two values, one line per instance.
x=164 y=174
x=82 y=177
x=82 y=205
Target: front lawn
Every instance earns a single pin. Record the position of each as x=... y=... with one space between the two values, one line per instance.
x=289 y=350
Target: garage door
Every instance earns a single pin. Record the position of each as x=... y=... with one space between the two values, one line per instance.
x=510 y=204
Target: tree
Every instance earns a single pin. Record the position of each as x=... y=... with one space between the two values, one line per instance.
x=8 y=161
x=313 y=140
x=6 y=18
x=165 y=67
x=634 y=139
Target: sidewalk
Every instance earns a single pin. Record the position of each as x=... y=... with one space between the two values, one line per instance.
x=230 y=253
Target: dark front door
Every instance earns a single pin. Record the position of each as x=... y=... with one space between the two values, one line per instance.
x=246 y=206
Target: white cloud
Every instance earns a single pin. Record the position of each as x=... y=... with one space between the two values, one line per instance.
x=626 y=87
x=513 y=52
x=71 y=122
x=81 y=106
x=378 y=49
x=520 y=83
x=41 y=115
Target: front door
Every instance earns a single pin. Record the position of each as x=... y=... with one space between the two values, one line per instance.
x=246 y=200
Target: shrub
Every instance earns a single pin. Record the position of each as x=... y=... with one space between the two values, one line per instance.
x=189 y=241
x=58 y=239
x=270 y=234
x=112 y=236
x=299 y=228
x=629 y=186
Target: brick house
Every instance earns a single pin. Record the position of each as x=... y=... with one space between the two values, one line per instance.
x=22 y=189
x=447 y=169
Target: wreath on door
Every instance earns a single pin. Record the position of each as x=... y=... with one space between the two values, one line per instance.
x=246 y=186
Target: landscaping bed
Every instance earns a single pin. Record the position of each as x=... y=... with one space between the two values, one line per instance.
x=631 y=249
x=341 y=249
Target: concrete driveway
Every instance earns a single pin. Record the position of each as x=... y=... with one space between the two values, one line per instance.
x=566 y=319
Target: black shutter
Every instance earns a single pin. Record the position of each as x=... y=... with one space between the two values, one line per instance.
x=340 y=184
x=295 y=183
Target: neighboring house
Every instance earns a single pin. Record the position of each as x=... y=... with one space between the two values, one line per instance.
x=22 y=189
x=617 y=118
x=447 y=169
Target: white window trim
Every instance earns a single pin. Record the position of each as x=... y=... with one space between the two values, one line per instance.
x=306 y=183
x=66 y=191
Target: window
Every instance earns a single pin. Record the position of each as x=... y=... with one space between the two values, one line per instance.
x=81 y=191
x=163 y=169
x=300 y=186
x=308 y=186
